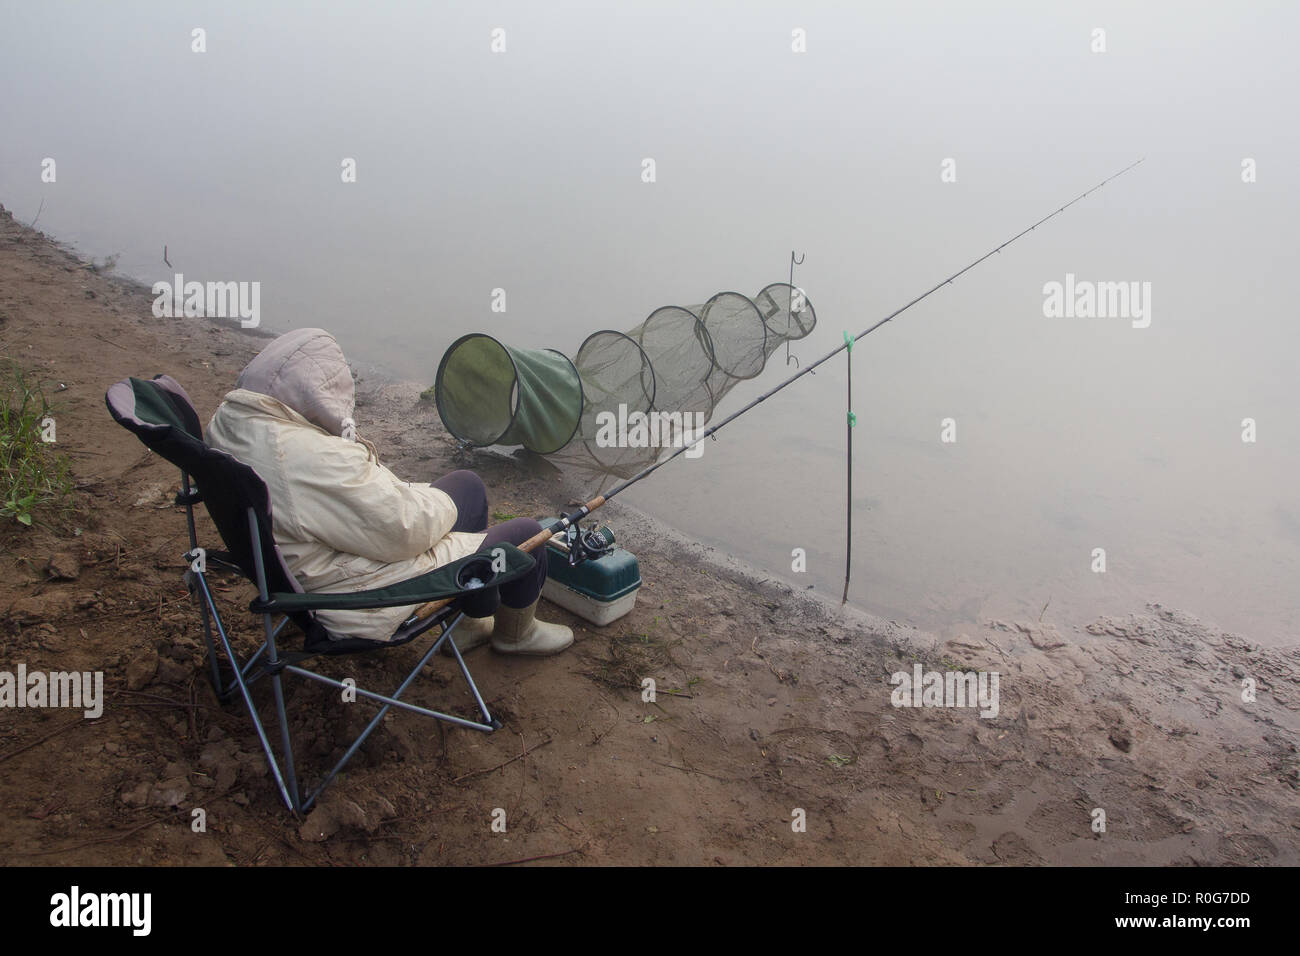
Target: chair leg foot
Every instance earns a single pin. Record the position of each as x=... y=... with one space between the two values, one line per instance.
x=496 y=724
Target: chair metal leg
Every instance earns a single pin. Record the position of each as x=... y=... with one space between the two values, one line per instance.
x=290 y=801
x=492 y=722
x=291 y=775
x=254 y=535
x=215 y=676
x=215 y=666
x=223 y=690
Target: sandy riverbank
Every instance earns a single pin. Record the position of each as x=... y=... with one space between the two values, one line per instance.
x=783 y=701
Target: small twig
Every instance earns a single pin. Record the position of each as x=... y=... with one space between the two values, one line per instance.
x=110 y=342
x=518 y=756
x=601 y=736
x=109 y=839
x=286 y=844
x=1044 y=610
x=135 y=612
x=702 y=773
x=545 y=856
x=193 y=710
x=523 y=776
x=670 y=693
x=141 y=693
x=145 y=459
x=32 y=224
x=41 y=740
x=158 y=701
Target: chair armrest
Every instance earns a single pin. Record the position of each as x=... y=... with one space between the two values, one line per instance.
x=435 y=585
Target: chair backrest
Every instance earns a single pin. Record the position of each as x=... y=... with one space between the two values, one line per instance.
x=161 y=415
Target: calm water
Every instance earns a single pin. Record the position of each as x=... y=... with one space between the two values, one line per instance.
x=522 y=170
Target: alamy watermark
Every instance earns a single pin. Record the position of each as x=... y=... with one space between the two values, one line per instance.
x=651 y=430
x=1084 y=299
x=213 y=300
x=80 y=690
x=75 y=908
x=923 y=688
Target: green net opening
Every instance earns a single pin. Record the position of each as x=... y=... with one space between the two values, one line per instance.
x=491 y=394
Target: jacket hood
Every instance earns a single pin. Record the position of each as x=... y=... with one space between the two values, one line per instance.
x=305 y=370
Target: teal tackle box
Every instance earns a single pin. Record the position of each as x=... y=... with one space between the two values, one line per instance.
x=602 y=586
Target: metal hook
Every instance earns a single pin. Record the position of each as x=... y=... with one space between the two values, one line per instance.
x=793 y=262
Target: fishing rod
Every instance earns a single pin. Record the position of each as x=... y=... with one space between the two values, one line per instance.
x=567 y=521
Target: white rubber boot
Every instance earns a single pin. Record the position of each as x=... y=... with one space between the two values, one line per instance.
x=470 y=633
x=518 y=631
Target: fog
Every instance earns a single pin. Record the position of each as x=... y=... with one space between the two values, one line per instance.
x=522 y=170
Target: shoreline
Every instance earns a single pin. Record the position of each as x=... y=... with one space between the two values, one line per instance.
x=782 y=698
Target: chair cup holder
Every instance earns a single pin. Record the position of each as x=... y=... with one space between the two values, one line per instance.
x=482 y=598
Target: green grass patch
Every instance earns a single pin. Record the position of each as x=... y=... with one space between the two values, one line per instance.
x=34 y=478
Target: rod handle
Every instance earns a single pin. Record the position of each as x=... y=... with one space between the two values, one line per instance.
x=532 y=544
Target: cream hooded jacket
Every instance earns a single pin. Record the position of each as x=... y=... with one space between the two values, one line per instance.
x=343 y=521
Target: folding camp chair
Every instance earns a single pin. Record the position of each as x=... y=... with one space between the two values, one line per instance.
x=163 y=418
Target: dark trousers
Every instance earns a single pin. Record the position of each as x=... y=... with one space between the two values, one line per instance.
x=466 y=489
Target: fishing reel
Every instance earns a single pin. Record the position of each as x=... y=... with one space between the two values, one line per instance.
x=584 y=544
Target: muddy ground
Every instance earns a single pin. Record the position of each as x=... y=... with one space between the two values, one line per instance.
x=769 y=700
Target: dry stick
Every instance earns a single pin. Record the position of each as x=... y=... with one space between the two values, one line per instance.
x=141 y=693
x=597 y=738
x=702 y=773
x=474 y=773
x=848 y=500
x=110 y=342
x=193 y=711
x=127 y=612
x=41 y=740
x=523 y=777
x=670 y=693
x=546 y=856
x=109 y=839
